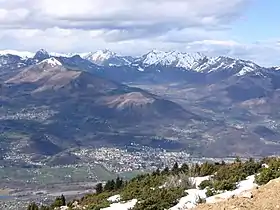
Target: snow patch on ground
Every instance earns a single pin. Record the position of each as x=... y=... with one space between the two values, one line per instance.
x=122 y=206
x=243 y=186
x=190 y=201
x=115 y=198
x=265 y=165
x=196 y=181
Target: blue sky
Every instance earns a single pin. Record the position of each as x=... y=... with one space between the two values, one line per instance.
x=246 y=29
x=260 y=21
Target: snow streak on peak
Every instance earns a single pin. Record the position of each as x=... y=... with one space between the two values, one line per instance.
x=52 y=62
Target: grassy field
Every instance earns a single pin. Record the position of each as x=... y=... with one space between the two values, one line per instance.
x=5 y=192
x=103 y=173
x=53 y=175
x=131 y=174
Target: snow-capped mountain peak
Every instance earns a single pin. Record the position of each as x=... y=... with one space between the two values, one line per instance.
x=41 y=55
x=155 y=60
x=98 y=56
x=107 y=58
x=51 y=62
x=153 y=57
x=172 y=58
x=226 y=64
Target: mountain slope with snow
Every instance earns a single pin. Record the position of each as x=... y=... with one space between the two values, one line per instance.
x=236 y=66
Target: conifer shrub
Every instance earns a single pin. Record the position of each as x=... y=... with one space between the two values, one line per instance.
x=99 y=206
x=33 y=206
x=181 y=180
x=224 y=185
x=58 y=202
x=45 y=208
x=160 y=199
x=209 y=192
x=206 y=184
x=267 y=174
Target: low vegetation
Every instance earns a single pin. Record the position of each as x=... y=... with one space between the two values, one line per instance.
x=162 y=189
x=226 y=176
x=272 y=171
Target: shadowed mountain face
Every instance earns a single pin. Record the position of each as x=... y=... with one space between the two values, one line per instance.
x=49 y=82
x=60 y=108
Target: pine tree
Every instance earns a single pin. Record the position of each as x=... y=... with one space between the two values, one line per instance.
x=110 y=185
x=165 y=171
x=33 y=206
x=156 y=172
x=207 y=169
x=58 y=202
x=119 y=183
x=237 y=160
x=63 y=200
x=175 y=168
x=45 y=208
x=113 y=185
x=185 y=168
x=195 y=170
x=99 y=188
x=107 y=185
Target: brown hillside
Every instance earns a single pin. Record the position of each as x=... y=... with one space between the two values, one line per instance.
x=267 y=197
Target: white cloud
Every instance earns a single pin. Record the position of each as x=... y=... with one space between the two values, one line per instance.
x=127 y=26
x=262 y=52
x=128 y=15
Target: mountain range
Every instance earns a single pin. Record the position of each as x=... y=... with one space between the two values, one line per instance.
x=219 y=106
x=149 y=67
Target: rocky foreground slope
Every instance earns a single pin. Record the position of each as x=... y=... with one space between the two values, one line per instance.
x=265 y=197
